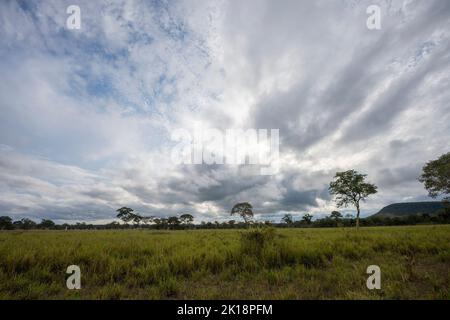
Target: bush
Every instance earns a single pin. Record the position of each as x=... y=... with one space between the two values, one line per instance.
x=253 y=242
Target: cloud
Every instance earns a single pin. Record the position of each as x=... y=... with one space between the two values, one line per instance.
x=87 y=114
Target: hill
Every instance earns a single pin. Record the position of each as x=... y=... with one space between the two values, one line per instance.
x=409 y=208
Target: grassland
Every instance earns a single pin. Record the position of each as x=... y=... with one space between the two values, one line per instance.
x=225 y=264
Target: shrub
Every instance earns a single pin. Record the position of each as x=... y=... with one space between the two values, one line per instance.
x=253 y=242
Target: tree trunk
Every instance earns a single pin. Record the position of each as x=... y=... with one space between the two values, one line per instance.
x=245 y=221
x=357 y=216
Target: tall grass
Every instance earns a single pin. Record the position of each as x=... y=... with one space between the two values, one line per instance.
x=210 y=264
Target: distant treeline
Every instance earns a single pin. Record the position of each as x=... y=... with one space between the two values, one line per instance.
x=174 y=223
x=349 y=188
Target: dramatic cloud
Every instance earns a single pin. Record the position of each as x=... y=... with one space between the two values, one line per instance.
x=87 y=115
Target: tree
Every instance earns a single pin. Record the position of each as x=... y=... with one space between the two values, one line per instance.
x=6 y=223
x=173 y=221
x=126 y=214
x=287 y=218
x=307 y=218
x=163 y=223
x=147 y=220
x=46 y=224
x=137 y=219
x=25 y=224
x=245 y=210
x=436 y=176
x=444 y=215
x=157 y=222
x=28 y=223
x=113 y=225
x=349 y=188
x=186 y=219
x=336 y=215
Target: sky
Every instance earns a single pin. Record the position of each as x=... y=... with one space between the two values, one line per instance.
x=88 y=115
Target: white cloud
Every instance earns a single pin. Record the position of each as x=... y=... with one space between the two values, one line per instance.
x=87 y=115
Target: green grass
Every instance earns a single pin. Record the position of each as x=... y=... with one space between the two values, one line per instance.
x=225 y=264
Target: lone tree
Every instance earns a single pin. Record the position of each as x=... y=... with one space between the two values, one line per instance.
x=349 y=188
x=245 y=210
x=436 y=177
x=127 y=214
x=287 y=218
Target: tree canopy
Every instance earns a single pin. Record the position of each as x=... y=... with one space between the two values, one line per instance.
x=244 y=209
x=287 y=218
x=336 y=215
x=436 y=176
x=126 y=214
x=307 y=218
x=349 y=188
x=186 y=218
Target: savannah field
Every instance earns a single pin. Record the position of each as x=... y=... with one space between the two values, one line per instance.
x=228 y=264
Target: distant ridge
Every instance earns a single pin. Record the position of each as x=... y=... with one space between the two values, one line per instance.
x=410 y=208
